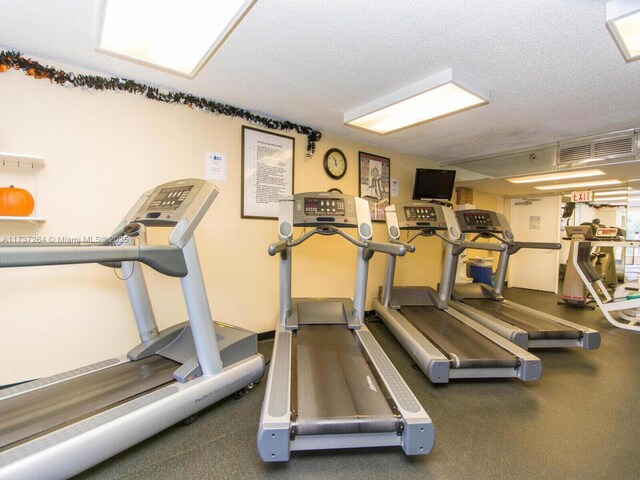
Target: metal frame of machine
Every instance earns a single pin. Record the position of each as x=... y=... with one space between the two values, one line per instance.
x=430 y=357
x=496 y=224
x=282 y=426
x=619 y=309
x=213 y=360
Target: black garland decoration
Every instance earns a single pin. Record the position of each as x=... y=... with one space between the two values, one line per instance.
x=32 y=68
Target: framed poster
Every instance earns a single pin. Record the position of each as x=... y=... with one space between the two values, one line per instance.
x=267 y=172
x=374 y=184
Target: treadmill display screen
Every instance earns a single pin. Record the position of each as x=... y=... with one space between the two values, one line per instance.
x=477 y=219
x=413 y=214
x=169 y=199
x=607 y=232
x=323 y=206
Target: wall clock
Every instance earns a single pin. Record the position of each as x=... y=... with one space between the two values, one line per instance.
x=335 y=163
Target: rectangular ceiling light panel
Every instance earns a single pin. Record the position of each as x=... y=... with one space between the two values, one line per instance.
x=567 y=186
x=623 y=21
x=437 y=96
x=176 y=36
x=610 y=199
x=611 y=192
x=555 y=176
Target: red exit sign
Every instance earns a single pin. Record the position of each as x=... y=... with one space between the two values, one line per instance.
x=582 y=196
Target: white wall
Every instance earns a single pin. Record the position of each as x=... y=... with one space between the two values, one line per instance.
x=102 y=149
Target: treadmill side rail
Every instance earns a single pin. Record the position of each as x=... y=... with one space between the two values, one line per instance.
x=71 y=450
x=530 y=368
x=274 y=434
x=418 y=435
x=512 y=333
x=433 y=363
x=589 y=338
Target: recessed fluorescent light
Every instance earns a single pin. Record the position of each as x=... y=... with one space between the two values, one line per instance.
x=609 y=199
x=610 y=192
x=439 y=95
x=623 y=22
x=555 y=176
x=566 y=186
x=175 y=36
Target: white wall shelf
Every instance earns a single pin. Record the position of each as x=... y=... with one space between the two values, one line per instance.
x=21 y=219
x=21 y=160
x=26 y=164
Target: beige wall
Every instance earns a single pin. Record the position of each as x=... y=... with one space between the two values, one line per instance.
x=102 y=149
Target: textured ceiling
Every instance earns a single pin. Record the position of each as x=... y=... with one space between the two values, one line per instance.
x=551 y=66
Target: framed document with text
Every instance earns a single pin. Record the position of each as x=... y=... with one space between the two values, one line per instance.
x=267 y=172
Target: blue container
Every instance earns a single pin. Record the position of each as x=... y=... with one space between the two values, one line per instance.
x=480 y=274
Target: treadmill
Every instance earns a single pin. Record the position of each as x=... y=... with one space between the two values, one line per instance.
x=524 y=326
x=56 y=427
x=444 y=343
x=330 y=385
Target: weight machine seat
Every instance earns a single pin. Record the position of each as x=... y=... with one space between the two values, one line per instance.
x=336 y=390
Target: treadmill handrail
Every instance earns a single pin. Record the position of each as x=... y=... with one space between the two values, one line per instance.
x=369 y=247
x=516 y=246
x=168 y=260
x=459 y=247
x=388 y=248
x=409 y=247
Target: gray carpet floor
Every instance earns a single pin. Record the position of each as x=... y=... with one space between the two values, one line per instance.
x=579 y=421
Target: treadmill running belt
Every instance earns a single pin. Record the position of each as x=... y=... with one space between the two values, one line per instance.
x=466 y=347
x=337 y=392
x=43 y=409
x=538 y=327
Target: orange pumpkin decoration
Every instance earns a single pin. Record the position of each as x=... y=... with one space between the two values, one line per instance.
x=15 y=202
x=3 y=68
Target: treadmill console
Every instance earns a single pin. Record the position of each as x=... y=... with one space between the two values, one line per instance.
x=579 y=232
x=314 y=206
x=324 y=208
x=608 y=233
x=420 y=215
x=167 y=204
x=478 y=221
x=423 y=216
x=318 y=209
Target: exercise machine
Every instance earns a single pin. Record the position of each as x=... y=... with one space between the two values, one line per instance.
x=524 y=326
x=58 y=426
x=574 y=291
x=444 y=343
x=603 y=258
x=330 y=385
x=622 y=309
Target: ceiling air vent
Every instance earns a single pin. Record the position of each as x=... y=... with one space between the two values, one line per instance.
x=575 y=153
x=609 y=148
x=600 y=149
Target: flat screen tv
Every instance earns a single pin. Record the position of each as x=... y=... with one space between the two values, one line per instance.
x=433 y=184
